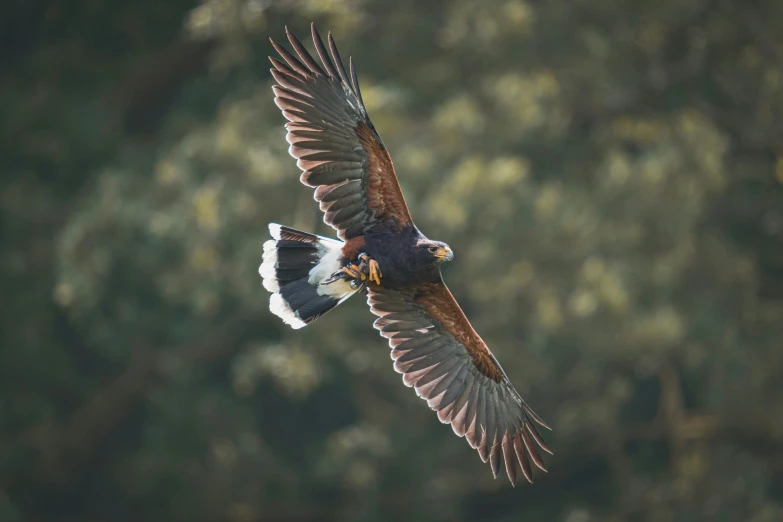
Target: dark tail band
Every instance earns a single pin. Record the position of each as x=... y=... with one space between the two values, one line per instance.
x=295 y=268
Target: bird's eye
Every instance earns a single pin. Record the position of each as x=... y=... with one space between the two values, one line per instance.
x=433 y=249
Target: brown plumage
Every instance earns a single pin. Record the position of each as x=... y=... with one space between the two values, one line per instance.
x=335 y=144
x=433 y=345
x=439 y=353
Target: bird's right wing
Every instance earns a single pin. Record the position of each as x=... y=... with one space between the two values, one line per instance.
x=334 y=142
x=442 y=357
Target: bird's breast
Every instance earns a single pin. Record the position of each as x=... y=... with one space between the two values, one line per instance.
x=397 y=256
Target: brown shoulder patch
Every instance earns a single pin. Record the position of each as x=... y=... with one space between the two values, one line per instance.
x=384 y=195
x=439 y=303
x=353 y=247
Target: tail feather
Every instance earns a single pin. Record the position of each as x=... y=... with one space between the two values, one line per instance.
x=294 y=268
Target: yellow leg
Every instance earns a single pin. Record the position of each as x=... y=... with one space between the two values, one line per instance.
x=354 y=272
x=375 y=274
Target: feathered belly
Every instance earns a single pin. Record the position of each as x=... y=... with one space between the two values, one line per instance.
x=396 y=256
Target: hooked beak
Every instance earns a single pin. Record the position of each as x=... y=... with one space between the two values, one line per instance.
x=445 y=254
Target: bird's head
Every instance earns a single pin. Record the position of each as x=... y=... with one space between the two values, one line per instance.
x=435 y=252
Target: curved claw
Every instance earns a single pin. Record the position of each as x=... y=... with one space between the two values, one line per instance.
x=368 y=269
x=354 y=272
x=375 y=271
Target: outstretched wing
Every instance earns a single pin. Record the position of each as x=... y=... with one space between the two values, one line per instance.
x=442 y=357
x=334 y=141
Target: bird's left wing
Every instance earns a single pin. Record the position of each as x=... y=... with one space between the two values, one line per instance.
x=442 y=357
x=334 y=141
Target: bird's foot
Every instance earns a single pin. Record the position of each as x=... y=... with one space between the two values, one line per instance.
x=352 y=273
x=373 y=270
x=355 y=272
x=366 y=271
x=337 y=276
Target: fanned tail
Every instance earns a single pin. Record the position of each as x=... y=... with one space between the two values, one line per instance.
x=297 y=268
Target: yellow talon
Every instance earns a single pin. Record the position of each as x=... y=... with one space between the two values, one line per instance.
x=354 y=272
x=368 y=270
x=362 y=275
x=375 y=272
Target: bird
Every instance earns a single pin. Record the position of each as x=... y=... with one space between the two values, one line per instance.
x=380 y=252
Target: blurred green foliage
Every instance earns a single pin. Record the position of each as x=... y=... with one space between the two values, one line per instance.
x=609 y=174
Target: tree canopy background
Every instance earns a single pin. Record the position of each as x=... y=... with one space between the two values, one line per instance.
x=609 y=174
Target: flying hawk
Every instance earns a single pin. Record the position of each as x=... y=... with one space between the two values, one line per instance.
x=382 y=253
